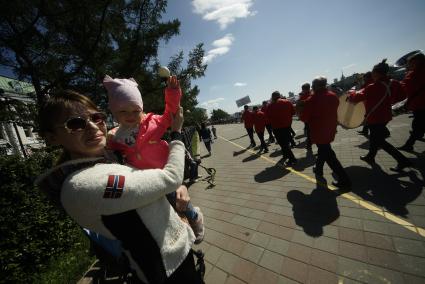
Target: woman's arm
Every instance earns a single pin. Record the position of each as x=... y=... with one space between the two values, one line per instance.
x=107 y=189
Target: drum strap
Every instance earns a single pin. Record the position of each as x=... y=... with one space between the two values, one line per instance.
x=387 y=93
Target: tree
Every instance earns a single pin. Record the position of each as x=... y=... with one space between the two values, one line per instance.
x=219 y=115
x=73 y=44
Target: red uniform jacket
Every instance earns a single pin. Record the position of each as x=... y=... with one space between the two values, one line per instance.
x=248 y=119
x=264 y=109
x=414 y=86
x=280 y=113
x=320 y=112
x=303 y=96
x=259 y=121
x=372 y=94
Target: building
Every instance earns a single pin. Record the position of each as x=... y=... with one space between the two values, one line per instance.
x=16 y=138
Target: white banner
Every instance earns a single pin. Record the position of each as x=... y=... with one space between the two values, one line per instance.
x=243 y=101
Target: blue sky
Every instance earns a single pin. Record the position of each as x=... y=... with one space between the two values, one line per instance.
x=254 y=47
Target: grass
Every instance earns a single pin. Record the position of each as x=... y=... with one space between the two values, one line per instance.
x=68 y=267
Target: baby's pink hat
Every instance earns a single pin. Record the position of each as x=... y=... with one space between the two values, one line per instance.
x=121 y=92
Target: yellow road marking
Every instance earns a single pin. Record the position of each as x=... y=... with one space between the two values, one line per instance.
x=349 y=196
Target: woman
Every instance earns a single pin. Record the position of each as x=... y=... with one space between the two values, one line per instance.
x=114 y=200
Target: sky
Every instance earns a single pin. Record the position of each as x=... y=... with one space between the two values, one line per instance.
x=254 y=47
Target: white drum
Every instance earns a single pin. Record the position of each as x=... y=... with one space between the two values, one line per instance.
x=350 y=115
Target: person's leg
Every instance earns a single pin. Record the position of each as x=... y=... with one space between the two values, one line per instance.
x=320 y=162
x=263 y=143
x=418 y=129
x=270 y=131
x=376 y=137
x=308 y=139
x=251 y=136
x=402 y=161
x=286 y=148
x=336 y=167
x=278 y=134
x=186 y=272
x=208 y=146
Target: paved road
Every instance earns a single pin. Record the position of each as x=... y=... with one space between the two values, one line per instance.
x=268 y=224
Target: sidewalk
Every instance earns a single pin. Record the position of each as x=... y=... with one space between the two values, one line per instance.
x=267 y=224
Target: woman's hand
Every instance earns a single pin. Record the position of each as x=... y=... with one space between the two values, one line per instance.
x=177 y=120
x=182 y=198
x=173 y=83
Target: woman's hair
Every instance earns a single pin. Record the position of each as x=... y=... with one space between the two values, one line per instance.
x=58 y=103
x=55 y=107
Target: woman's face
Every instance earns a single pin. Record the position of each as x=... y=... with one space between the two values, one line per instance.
x=81 y=143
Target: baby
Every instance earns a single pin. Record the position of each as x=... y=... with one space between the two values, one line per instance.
x=138 y=136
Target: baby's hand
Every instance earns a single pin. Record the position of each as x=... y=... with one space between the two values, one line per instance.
x=173 y=83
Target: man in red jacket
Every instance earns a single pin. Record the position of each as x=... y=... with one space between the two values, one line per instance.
x=304 y=95
x=378 y=97
x=260 y=125
x=414 y=86
x=320 y=113
x=268 y=124
x=280 y=113
x=248 y=120
x=367 y=79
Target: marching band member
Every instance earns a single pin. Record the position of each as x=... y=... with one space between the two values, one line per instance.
x=280 y=113
x=378 y=98
x=260 y=125
x=268 y=123
x=320 y=113
x=414 y=86
x=305 y=94
x=248 y=120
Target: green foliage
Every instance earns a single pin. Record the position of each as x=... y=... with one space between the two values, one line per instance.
x=195 y=117
x=32 y=230
x=219 y=115
x=73 y=44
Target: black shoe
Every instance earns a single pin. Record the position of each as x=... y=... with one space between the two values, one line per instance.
x=406 y=148
x=342 y=184
x=401 y=166
x=266 y=151
x=291 y=163
x=368 y=159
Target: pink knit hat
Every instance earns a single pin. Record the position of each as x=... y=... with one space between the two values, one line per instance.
x=121 y=92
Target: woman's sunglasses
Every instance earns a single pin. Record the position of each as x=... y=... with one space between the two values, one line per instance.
x=74 y=124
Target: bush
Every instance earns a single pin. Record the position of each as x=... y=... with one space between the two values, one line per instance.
x=32 y=230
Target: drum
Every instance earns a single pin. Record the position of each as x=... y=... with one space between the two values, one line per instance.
x=350 y=115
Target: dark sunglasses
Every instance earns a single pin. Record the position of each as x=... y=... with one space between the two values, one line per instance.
x=74 y=124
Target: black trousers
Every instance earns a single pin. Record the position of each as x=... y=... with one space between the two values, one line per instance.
x=186 y=273
x=250 y=131
x=270 y=131
x=377 y=136
x=418 y=127
x=308 y=139
x=263 y=143
x=325 y=153
x=283 y=138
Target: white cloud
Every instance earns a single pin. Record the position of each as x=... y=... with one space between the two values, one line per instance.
x=239 y=84
x=349 y=66
x=212 y=103
x=222 y=46
x=224 y=12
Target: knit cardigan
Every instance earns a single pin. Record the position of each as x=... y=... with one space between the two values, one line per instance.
x=124 y=203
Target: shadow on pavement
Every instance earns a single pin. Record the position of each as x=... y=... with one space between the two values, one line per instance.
x=252 y=157
x=314 y=211
x=233 y=139
x=276 y=153
x=271 y=173
x=305 y=162
x=386 y=190
x=237 y=153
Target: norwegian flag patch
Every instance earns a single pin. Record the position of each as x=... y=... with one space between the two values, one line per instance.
x=114 y=187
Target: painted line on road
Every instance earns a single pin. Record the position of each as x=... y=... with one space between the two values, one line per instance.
x=375 y=209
